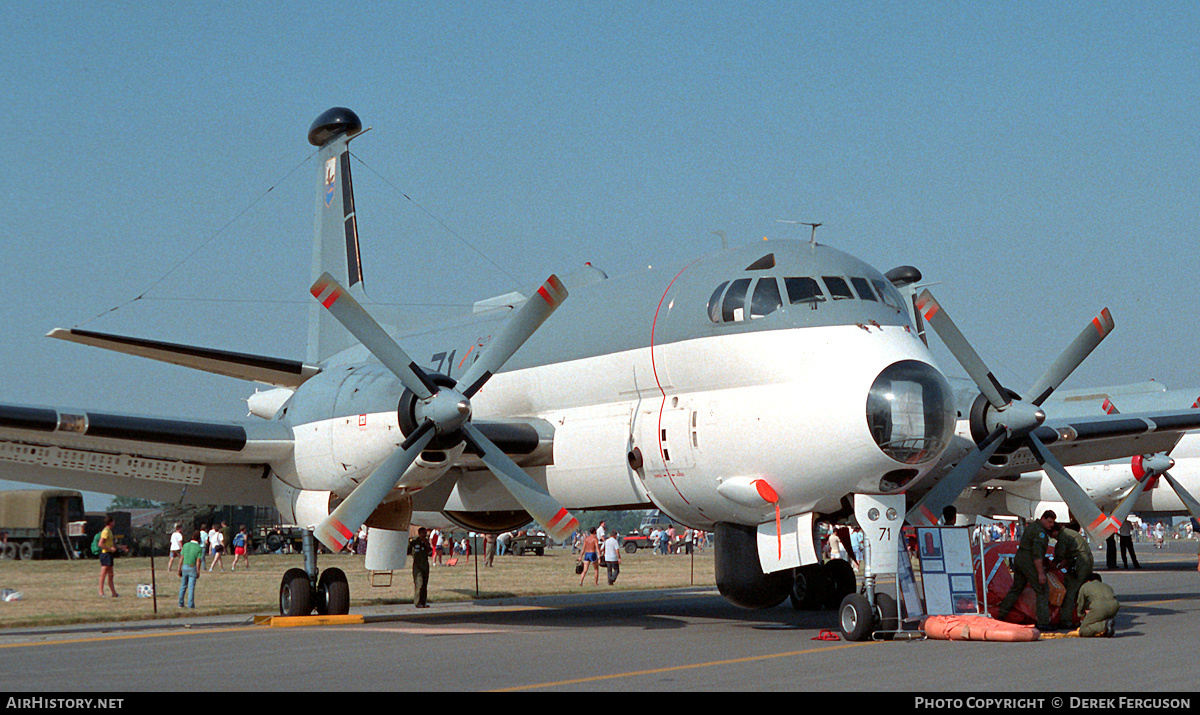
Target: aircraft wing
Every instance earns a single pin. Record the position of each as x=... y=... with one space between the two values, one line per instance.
x=1081 y=440
x=149 y=457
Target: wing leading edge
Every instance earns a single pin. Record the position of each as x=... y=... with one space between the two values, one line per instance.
x=150 y=457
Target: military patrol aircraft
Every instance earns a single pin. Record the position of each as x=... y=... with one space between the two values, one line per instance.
x=752 y=392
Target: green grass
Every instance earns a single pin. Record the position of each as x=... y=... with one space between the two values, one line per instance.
x=65 y=592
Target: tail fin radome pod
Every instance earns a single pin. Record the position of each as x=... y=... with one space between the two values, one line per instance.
x=335 y=241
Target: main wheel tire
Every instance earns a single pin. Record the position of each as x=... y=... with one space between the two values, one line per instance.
x=856 y=617
x=809 y=587
x=295 y=594
x=842 y=581
x=333 y=593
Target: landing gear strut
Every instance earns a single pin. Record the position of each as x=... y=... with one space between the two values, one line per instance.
x=303 y=590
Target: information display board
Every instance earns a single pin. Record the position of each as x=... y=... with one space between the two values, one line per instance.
x=947 y=570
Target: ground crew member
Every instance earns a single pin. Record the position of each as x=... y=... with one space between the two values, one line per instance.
x=1073 y=553
x=420 y=550
x=1029 y=569
x=1098 y=606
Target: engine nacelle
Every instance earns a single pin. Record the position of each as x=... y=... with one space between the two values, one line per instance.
x=302 y=507
x=740 y=578
x=489 y=522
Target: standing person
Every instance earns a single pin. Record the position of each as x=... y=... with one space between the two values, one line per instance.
x=176 y=545
x=1073 y=552
x=612 y=558
x=1127 y=552
x=1110 y=552
x=190 y=563
x=590 y=556
x=435 y=543
x=1098 y=607
x=856 y=543
x=108 y=551
x=216 y=544
x=204 y=539
x=420 y=550
x=489 y=549
x=1029 y=569
x=241 y=548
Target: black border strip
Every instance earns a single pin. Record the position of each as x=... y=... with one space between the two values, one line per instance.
x=230 y=438
x=39 y=419
x=291 y=367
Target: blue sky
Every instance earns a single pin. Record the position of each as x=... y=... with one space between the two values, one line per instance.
x=1037 y=161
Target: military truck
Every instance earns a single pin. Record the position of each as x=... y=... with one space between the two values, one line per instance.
x=41 y=524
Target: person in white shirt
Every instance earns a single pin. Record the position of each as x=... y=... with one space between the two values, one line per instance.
x=176 y=546
x=612 y=558
x=216 y=542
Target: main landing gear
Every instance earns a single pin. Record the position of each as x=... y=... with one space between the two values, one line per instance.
x=822 y=586
x=303 y=590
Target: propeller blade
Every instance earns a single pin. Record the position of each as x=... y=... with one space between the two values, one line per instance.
x=529 y=318
x=544 y=509
x=1184 y=496
x=1076 y=353
x=1094 y=521
x=340 y=526
x=350 y=313
x=927 y=511
x=1121 y=513
x=957 y=343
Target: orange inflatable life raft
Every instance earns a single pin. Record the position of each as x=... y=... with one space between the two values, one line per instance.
x=977 y=628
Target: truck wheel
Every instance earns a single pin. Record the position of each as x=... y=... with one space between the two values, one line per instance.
x=9 y=552
x=26 y=550
x=519 y=550
x=631 y=548
x=333 y=593
x=295 y=594
x=856 y=617
x=540 y=552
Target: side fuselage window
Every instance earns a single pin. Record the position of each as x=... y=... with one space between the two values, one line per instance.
x=863 y=287
x=714 y=303
x=803 y=290
x=837 y=287
x=733 y=308
x=766 y=298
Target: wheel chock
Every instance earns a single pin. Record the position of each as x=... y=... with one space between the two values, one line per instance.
x=827 y=635
x=297 y=621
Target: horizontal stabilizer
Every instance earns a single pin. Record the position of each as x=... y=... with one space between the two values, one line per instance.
x=256 y=368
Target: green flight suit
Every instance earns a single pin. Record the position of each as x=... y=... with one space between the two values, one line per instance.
x=420 y=550
x=1097 y=605
x=1072 y=551
x=1034 y=541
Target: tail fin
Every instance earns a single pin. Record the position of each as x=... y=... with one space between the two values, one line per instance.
x=335 y=243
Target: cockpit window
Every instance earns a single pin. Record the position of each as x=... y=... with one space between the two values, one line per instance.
x=838 y=288
x=714 y=303
x=863 y=287
x=766 y=298
x=803 y=290
x=889 y=294
x=733 y=308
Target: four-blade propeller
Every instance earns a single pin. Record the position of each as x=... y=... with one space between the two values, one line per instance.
x=1007 y=420
x=441 y=411
x=1147 y=468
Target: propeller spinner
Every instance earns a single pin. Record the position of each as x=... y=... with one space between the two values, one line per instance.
x=441 y=411
x=1002 y=418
